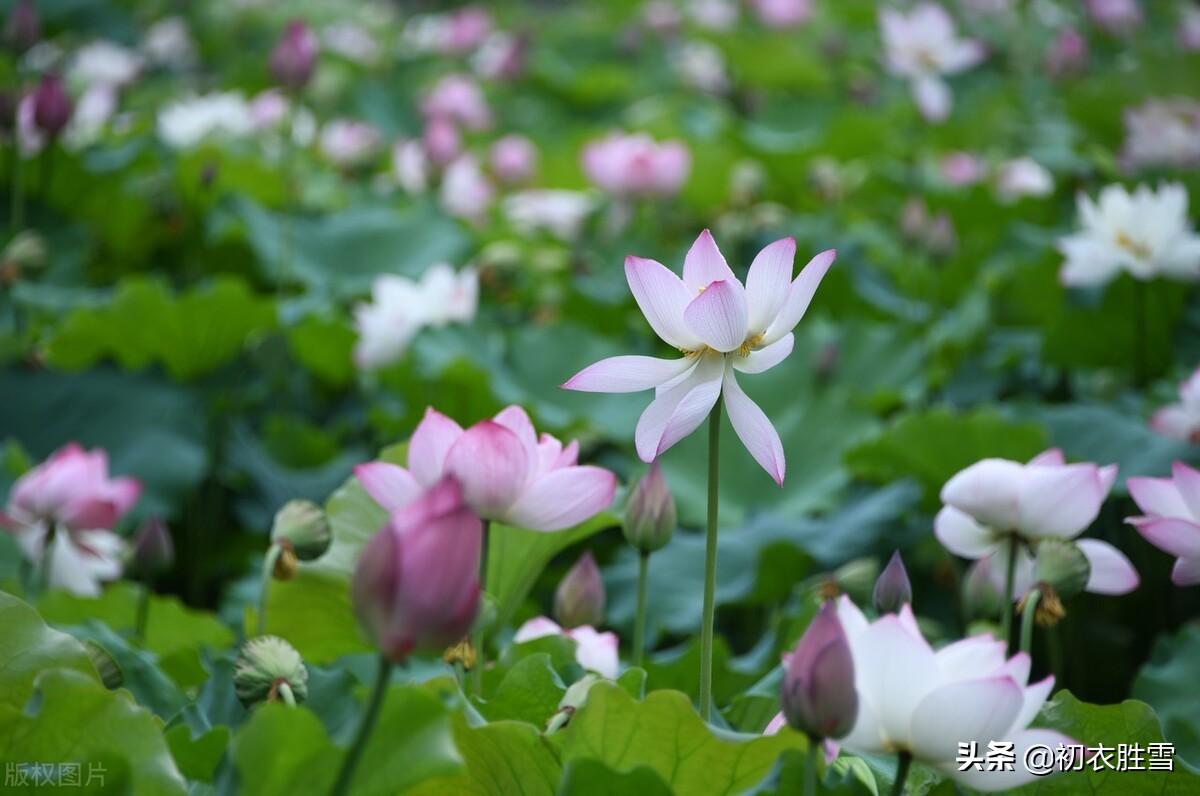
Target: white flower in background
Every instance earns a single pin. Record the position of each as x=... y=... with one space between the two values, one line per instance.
x=351 y=41
x=1146 y=233
x=595 y=651
x=400 y=307
x=701 y=65
x=41 y=57
x=104 y=62
x=561 y=213
x=1181 y=421
x=185 y=123
x=169 y=43
x=1162 y=133
x=466 y=191
x=922 y=46
x=717 y=15
x=410 y=166
x=92 y=111
x=349 y=142
x=1021 y=177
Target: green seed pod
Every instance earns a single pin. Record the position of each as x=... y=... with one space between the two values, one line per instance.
x=264 y=667
x=1062 y=565
x=303 y=526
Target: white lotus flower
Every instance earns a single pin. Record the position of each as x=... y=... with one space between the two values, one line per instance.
x=104 y=62
x=561 y=213
x=401 y=307
x=922 y=46
x=185 y=123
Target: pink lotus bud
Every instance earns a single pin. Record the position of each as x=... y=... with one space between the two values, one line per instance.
x=24 y=26
x=52 y=106
x=416 y=584
x=818 y=693
x=650 y=516
x=1068 y=54
x=513 y=159
x=893 y=588
x=441 y=140
x=295 y=56
x=782 y=13
x=153 y=549
x=579 y=599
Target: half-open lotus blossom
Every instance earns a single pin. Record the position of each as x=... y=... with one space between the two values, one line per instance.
x=913 y=698
x=1171 y=518
x=922 y=46
x=995 y=500
x=1181 y=421
x=1146 y=233
x=636 y=165
x=67 y=506
x=1162 y=134
x=595 y=651
x=721 y=327
x=508 y=474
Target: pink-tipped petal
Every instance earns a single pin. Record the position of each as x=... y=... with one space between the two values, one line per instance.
x=718 y=315
x=1032 y=701
x=987 y=490
x=767 y=357
x=1186 y=572
x=754 y=429
x=1158 y=497
x=1187 y=481
x=492 y=465
x=627 y=374
x=596 y=652
x=538 y=627
x=676 y=412
x=962 y=535
x=800 y=295
x=1050 y=458
x=768 y=281
x=1174 y=421
x=998 y=780
x=776 y=724
x=964 y=711
x=563 y=498
x=430 y=442
x=662 y=298
x=1112 y=572
x=704 y=264
x=1178 y=537
x=1060 y=501
x=389 y=485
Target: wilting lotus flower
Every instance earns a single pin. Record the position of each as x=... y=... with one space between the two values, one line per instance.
x=349 y=142
x=995 y=500
x=185 y=123
x=1068 y=53
x=782 y=14
x=416 y=584
x=924 y=702
x=1021 y=177
x=295 y=56
x=922 y=46
x=1162 y=133
x=634 y=165
x=459 y=99
x=721 y=326
x=561 y=213
x=513 y=159
x=1146 y=233
x=65 y=508
x=1115 y=16
x=595 y=651
x=400 y=308
x=1182 y=420
x=818 y=694
x=1171 y=518
x=507 y=473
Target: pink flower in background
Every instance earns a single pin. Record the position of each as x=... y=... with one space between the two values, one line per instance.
x=962 y=168
x=513 y=159
x=295 y=56
x=65 y=508
x=1162 y=133
x=460 y=99
x=501 y=56
x=466 y=29
x=721 y=326
x=1171 y=518
x=348 y=142
x=922 y=46
x=441 y=140
x=595 y=651
x=1189 y=28
x=410 y=165
x=1022 y=177
x=466 y=191
x=1068 y=53
x=1115 y=16
x=635 y=165
x=1181 y=421
x=416 y=584
x=994 y=499
x=508 y=474
x=782 y=13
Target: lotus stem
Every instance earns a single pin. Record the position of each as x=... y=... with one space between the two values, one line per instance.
x=710 y=561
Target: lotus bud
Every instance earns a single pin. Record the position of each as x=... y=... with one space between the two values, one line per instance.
x=1061 y=564
x=893 y=588
x=650 y=512
x=573 y=700
x=980 y=595
x=819 y=698
x=579 y=599
x=416 y=584
x=153 y=549
x=51 y=106
x=24 y=26
x=106 y=665
x=295 y=56
x=302 y=526
x=268 y=669
x=26 y=251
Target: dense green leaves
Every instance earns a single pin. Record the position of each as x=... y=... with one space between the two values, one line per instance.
x=1167 y=684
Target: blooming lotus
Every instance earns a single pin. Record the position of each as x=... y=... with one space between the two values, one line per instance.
x=1162 y=133
x=1182 y=420
x=914 y=699
x=1146 y=233
x=559 y=212
x=65 y=508
x=513 y=159
x=507 y=473
x=721 y=327
x=1021 y=177
x=1171 y=518
x=922 y=46
x=348 y=142
x=104 y=62
x=400 y=308
x=995 y=502
x=636 y=165
x=594 y=651
x=186 y=122
x=782 y=14
x=459 y=99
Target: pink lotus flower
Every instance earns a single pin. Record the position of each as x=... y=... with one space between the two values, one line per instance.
x=994 y=499
x=721 y=326
x=441 y=140
x=1068 y=53
x=1181 y=421
x=348 y=142
x=922 y=46
x=507 y=474
x=595 y=651
x=1115 y=16
x=1021 y=177
x=416 y=584
x=782 y=14
x=513 y=159
x=65 y=508
x=818 y=692
x=962 y=168
x=466 y=192
x=459 y=99
x=634 y=165
x=1171 y=518
x=466 y=29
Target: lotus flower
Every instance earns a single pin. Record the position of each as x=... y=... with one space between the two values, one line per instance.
x=1171 y=518
x=635 y=165
x=1068 y=53
x=915 y=699
x=104 y=62
x=1188 y=32
x=1146 y=233
x=721 y=326
x=1021 y=177
x=560 y=213
x=186 y=122
x=580 y=597
x=1181 y=421
x=922 y=46
x=513 y=159
x=1115 y=16
x=65 y=508
x=595 y=651
x=459 y=99
x=995 y=500
x=400 y=308
x=348 y=142
x=466 y=192
x=818 y=693
x=1162 y=133
x=507 y=474
x=782 y=14
x=295 y=56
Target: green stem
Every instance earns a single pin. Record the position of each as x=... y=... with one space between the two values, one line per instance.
x=269 y=561
x=44 y=566
x=342 y=785
x=810 y=770
x=285 y=693
x=1010 y=579
x=1141 y=354
x=710 y=561
x=639 y=622
x=1027 y=614
x=143 y=613
x=902 y=765
x=479 y=637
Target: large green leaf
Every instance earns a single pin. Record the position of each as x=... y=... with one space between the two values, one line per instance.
x=502 y=758
x=530 y=692
x=1167 y=682
x=31 y=647
x=592 y=778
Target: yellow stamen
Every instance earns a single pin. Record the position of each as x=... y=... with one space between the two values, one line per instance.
x=1135 y=247
x=752 y=342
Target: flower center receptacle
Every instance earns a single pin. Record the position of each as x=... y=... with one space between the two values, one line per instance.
x=752 y=342
x=1132 y=245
